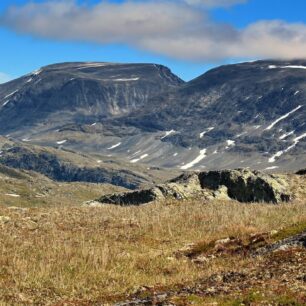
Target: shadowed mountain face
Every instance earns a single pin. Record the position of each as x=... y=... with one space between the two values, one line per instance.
x=244 y=115
x=80 y=93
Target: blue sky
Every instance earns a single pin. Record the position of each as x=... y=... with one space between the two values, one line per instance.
x=25 y=48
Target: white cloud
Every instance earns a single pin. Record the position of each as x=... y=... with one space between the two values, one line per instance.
x=4 y=77
x=215 y=3
x=172 y=28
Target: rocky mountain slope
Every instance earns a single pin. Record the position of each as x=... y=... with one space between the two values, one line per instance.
x=80 y=93
x=243 y=115
x=250 y=114
x=67 y=166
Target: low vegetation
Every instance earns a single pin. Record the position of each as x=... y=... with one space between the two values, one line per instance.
x=69 y=254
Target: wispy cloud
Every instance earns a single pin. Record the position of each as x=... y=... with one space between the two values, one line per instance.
x=4 y=77
x=177 y=29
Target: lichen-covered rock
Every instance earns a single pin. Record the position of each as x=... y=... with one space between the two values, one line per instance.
x=245 y=185
x=170 y=191
x=242 y=185
x=221 y=193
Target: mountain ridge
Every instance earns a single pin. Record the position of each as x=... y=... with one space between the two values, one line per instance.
x=241 y=115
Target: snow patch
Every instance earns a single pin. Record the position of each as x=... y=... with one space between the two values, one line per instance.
x=114 y=146
x=126 y=80
x=36 y=72
x=296 y=92
x=283 y=117
x=272 y=159
x=137 y=152
x=133 y=161
x=230 y=143
x=206 y=131
x=280 y=153
x=272 y=168
x=92 y=65
x=175 y=154
x=201 y=156
x=295 y=142
x=168 y=133
x=294 y=67
x=286 y=135
x=61 y=142
x=287 y=67
x=239 y=135
x=11 y=94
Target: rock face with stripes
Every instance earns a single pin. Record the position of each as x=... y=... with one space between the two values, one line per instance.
x=80 y=93
x=244 y=115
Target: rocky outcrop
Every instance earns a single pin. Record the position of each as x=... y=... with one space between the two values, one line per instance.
x=245 y=185
x=184 y=188
x=242 y=185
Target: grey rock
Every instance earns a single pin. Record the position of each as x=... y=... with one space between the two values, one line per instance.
x=242 y=185
x=245 y=185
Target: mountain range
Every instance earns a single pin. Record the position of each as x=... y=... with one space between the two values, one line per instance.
x=249 y=114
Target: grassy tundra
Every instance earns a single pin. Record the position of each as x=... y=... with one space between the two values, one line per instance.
x=66 y=254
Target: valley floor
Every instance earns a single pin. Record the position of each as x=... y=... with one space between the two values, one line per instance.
x=162 y=254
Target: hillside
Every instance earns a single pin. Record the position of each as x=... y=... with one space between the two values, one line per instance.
x=64 y=165
x=243 y=115
x=249 y=114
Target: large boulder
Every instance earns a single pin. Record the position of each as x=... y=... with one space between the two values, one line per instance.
x=245 y=185
x=242 y=185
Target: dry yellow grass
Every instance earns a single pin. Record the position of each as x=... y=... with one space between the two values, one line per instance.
x=93 y=255
x=57 y=251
